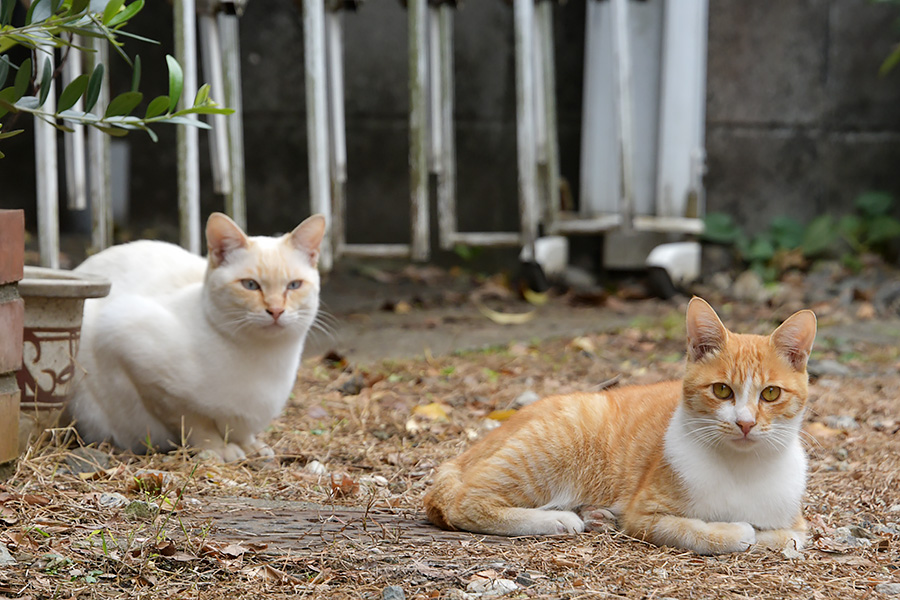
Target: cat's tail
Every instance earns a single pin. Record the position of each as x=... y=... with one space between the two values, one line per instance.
x=444 y=493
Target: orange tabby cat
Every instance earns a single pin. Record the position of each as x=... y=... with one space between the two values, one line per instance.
x=712 y=464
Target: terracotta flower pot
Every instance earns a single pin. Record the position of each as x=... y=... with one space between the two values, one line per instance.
x=54 y=305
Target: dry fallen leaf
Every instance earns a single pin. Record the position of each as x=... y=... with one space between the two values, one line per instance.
x=433 y=412
x=342 y=486
x=501 y=415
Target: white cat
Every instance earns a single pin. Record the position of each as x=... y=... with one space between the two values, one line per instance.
x=193 y=350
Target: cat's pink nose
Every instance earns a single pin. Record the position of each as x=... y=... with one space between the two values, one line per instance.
x=275 y=312
x=745 y=426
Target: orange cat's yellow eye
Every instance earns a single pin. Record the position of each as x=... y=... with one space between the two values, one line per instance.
x=771 y=393
x=722 y=391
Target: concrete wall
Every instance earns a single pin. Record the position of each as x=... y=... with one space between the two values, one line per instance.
x=798 y=120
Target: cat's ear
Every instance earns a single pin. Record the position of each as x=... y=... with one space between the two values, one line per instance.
x=307 y=237
x=223 y=236
x=794 y=338
x=705 y=332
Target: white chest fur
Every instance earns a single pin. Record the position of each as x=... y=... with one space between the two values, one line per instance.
x=763 y=488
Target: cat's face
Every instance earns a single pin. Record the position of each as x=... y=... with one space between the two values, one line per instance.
x=263 y=285
x=746 y=392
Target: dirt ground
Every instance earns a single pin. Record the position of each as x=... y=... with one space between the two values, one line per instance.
x=410 y=374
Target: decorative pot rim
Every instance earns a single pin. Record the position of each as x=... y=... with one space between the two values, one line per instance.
x=59 y=283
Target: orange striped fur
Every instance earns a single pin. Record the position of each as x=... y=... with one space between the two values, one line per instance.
x=677 y=463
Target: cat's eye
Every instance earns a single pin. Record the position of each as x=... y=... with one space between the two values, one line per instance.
x=250 y=284
x=295 y=284
x=722 y=391
x=771 y=393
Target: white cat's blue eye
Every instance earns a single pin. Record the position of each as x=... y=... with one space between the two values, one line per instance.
x=295 y=284
x=250 y=284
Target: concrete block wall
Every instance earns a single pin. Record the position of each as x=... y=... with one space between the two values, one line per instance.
x=12 y=315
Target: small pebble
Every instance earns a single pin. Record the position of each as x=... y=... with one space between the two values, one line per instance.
x=842 y=422
x=315 y=467
x=6 y=559
x=492 y=587
x=841 y=453
x=393 y=592
x=888 y=589
x=112 y=500
x=525 y=398
x=819 y=368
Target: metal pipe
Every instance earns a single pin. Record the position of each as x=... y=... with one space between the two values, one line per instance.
x=622 y=65
x=212 y=71
x=446 y=179
x=46 y=170
x=334 y=30
x=525 y=118
x=418 y=133
x=317 y=119
x=99 y=176
x=188 y=136
x=376 y=250
x=76 y=168
x=435 y=88
x=547 y=92
x=235 y=199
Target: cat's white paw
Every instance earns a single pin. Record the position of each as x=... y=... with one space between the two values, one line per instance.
x=226 y=453
x=233 y=453
x=554 y=522
x=779 y=539
x=746 y=536
x=598 y=519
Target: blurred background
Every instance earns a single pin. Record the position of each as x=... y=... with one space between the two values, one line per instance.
x=798 y=121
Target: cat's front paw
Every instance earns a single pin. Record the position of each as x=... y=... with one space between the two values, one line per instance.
x=779 y=539
x=745 y=538
x=225 y=453
x=598 y=519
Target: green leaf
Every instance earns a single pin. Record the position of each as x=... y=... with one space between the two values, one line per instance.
x=761 y=249
x=176 y=82
x=93 y=88
x=124 y=15
x=7 y=101
x=111 y=10
x=720 y=228
x=202 y=96
x=136 y=74
x=9 y=134
x=123 y=104
x=204 y=110
x=787 y=233
x=874 y=204
x=157 y=106
x=30 y=14
x=882 y=229
x=6 y=11
x=46 y=80
x=890 y=62
x=113 y=131
x=820 y=234
x=4 y=70
x=23 y=77
x=79 y=6
x=185 y=121
x=72 y=93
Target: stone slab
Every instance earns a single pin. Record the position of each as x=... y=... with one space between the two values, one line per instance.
x=12 y=318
